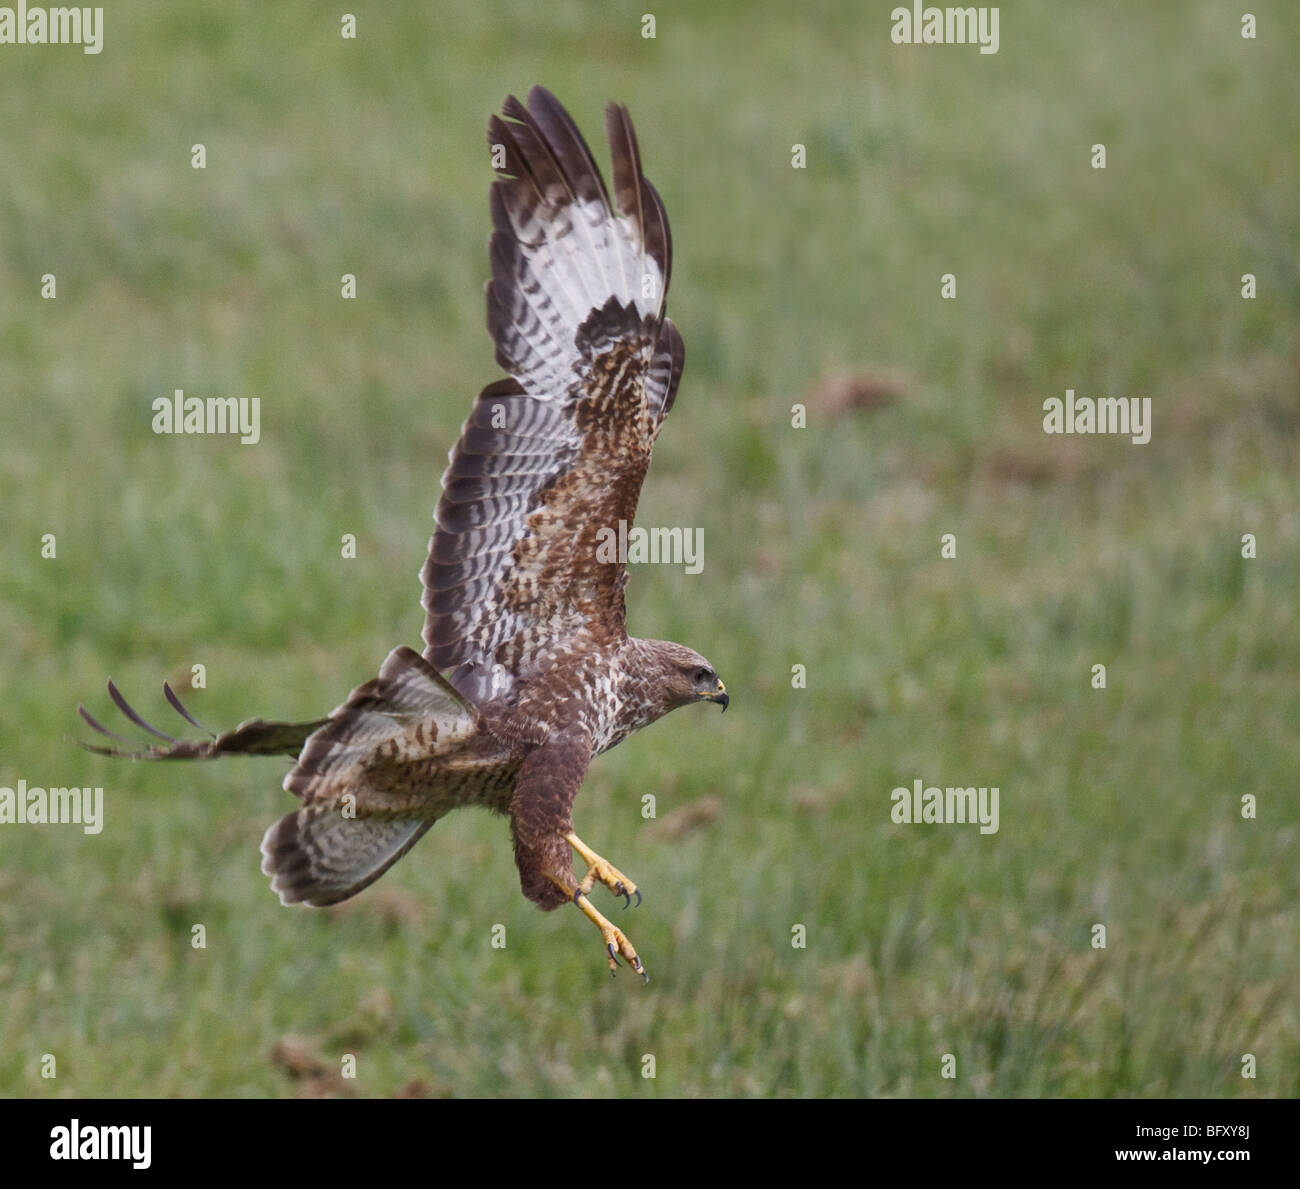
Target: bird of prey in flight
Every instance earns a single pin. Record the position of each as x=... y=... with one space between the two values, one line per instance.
x=527 y=670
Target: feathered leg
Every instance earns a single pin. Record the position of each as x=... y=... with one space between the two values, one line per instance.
x=540 y=812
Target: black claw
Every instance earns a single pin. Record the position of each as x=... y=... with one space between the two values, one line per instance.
x=577 y=895
x=612 y=955
x=638 y=898
x=620 y=890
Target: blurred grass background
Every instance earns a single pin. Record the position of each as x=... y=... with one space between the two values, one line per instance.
x=1120 y=807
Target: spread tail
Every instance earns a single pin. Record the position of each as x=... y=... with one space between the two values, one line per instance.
x=358 y=817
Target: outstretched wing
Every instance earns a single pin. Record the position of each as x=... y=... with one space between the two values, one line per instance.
x=552 y=459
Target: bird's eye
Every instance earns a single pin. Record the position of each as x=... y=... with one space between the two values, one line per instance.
x=702 y=675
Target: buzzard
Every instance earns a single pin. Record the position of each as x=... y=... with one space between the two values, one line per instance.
x=527 y=671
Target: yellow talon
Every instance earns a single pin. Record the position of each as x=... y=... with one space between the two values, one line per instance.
x=599 y=869
x=616 y=941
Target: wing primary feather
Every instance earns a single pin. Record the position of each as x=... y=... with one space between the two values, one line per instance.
x=662 y=240
x=576 y=165
x=626 y=158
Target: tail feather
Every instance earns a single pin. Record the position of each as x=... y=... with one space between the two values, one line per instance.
x=255 y=737
x=353 y=826
x=316 y=856
x=354 y=823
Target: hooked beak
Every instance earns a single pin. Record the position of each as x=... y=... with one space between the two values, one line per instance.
x=720 y=696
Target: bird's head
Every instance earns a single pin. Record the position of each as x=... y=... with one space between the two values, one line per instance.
x=688 y=677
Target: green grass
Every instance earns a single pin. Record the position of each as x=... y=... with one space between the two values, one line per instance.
x=1120 y=807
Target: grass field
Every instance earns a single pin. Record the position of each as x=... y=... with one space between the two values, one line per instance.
x=1120 y=807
